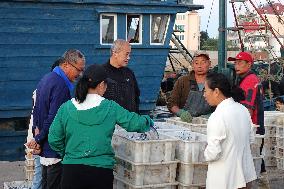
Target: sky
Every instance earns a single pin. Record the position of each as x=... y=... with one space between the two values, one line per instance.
x=214 y=20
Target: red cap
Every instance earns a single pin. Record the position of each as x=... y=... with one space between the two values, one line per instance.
x=242 y=56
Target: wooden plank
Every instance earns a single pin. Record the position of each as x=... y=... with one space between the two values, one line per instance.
x=48 y=26
x=12 y=38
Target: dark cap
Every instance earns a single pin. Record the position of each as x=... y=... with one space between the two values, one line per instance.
x=201 y=53
x=95 y=73
x=242 y=56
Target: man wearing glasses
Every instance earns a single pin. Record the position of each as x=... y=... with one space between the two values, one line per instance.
x=53 y=90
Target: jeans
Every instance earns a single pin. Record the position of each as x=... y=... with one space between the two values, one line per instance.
x=38 y=173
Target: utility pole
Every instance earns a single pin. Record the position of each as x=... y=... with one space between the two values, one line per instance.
x=222 y=49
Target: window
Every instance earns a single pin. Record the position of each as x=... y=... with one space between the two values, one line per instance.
x=180 y=37
x=159 y=25
x=179 y=28
x=108 y=28
x=134 y=29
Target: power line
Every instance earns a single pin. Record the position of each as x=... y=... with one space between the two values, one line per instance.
x=210 y=15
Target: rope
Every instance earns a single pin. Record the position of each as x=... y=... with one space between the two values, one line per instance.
x=210 y=15
x=275 y=12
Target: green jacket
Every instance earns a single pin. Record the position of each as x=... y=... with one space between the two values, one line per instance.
x=84 y=136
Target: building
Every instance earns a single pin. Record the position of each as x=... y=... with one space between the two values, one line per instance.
x=256 y=36
x=187 y=28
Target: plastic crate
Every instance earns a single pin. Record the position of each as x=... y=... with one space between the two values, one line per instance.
x=140 y=174
x=194 y=127
x=121 y=184
x=143 y=151
x=270 y=141
x=18 y=185
x=268 y=151
x=270 y=130
x=280 y=142
x=255 y=150
x=279 y=152
x=190 y=147
x=184 y=186
x=280 y=163
x=192 y=174
x=270 y=161
x=29 y=174
x=257 y=165
x=279 y=131
x=167 y=126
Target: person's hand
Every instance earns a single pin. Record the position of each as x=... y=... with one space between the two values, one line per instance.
x=184 y=115
x=32 y=144
x=37 y=150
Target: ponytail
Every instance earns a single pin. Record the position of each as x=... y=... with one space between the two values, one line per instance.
x=81 y=90
x=237 y=94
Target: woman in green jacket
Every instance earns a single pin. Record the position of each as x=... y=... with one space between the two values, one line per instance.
x=82 y=131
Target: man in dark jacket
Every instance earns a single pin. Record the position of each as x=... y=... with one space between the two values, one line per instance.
x=123 y=87
x=53 y=90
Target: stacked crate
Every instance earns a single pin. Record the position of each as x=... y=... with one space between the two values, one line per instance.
x=199 y=125
x=280 y=142
x=144 y=163
x=29 y=166
x=269 y=148
x=192 y=169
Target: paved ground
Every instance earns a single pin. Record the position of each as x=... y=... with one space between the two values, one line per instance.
x=14 y=171
x=11 y=171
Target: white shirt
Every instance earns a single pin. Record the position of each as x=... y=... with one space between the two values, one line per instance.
x=228 y=151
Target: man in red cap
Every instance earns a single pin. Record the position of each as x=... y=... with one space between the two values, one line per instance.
x=251 y=85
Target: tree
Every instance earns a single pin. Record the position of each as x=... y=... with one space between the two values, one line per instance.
x=210 y=44
x=203 y=37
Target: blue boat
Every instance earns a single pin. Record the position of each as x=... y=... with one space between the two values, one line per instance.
x=33 y=34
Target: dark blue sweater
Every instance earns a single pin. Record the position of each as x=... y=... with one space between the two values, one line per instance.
x=52 y=92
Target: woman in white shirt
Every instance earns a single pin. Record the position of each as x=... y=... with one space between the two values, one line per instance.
x=229 y=130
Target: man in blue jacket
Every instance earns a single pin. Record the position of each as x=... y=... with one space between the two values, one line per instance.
x=53 y=90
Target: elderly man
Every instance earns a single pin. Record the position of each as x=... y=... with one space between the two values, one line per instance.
x=123 y=87
x=187 y=95
x=251 y=85
x=53 y=90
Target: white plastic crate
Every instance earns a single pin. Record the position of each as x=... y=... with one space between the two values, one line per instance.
x=18 y=185
x=192 y=174
x=143 y=151
x=29 y=174
x=195 y=127
x=121 y=184
x=279 y=131
x=279 y=152
x=280 y=163
x=167 y=126
x=140 y=174
x=270 y=141
x=270 y=161
x=257 y=165
x=268 y=151
x=183 y=186
x=258 y=139
x=280 y=142
x=270 y=130
x=255 y=150
x=190 y=147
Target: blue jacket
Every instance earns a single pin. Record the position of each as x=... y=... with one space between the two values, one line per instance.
x=52 y=92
